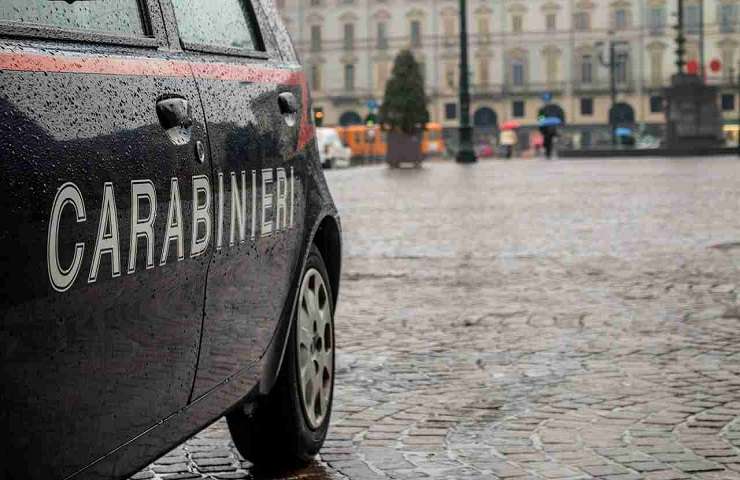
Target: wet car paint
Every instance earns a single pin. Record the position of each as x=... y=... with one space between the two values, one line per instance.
x=100 y=379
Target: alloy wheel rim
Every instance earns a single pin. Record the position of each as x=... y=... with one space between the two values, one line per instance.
x=315 y=344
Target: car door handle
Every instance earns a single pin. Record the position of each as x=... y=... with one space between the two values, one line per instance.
x=288 y=103
x=174 y=112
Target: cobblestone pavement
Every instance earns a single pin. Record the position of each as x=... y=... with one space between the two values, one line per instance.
x=530 y=319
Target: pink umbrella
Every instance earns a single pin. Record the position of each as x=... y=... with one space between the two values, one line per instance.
x=510 y=125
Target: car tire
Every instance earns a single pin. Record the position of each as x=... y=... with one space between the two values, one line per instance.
x=282 y=428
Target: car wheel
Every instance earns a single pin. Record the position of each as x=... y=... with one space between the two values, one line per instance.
x=289 y=425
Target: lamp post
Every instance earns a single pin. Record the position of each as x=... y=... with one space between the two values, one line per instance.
x=611 y=63
x=680 y=40
x=737 y=80
x=465 y=153
x=702 y=60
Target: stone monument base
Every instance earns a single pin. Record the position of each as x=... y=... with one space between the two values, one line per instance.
x=692 y=114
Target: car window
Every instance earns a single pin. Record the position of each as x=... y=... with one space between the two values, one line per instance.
x=219 y=23
x=108 y=16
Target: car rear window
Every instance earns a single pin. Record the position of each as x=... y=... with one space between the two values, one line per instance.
x=121 y=17
x=217 y=23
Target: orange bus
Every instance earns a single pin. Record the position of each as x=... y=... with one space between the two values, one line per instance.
x=432 y=143
x=365 y=142
x=369 y=143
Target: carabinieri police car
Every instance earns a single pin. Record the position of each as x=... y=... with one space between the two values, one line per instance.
x=169 y=249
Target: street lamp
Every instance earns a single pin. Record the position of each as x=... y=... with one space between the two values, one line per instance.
x=465 y=153
x=611 y=63
x=738 y=108
x=680 y=40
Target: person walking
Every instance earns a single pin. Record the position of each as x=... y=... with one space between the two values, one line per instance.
x=508 y=140
x=549 y=132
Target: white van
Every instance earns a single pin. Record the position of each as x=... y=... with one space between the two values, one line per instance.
x=332 y=152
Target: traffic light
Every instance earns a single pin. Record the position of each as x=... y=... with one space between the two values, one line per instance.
x=318 y=116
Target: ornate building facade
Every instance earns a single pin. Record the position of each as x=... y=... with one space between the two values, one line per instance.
x=524 y=54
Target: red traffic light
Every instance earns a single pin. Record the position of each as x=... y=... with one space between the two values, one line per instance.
x=715 y=65
x=692 y=67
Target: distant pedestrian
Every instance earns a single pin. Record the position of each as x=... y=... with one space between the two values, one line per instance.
x=549 y=132
x=509 y=140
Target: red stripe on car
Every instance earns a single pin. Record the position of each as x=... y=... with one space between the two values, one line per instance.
x=151 y=67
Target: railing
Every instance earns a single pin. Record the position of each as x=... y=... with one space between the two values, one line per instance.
x=344 y=95
x=533 y=88
x=602 y=86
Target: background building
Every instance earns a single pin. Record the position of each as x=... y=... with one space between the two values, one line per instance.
x=524 y=54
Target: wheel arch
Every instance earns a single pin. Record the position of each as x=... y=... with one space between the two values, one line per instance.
x=329 y=242
x=327 y=237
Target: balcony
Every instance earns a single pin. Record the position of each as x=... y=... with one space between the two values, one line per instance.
x=498 y=91
x=533 y=89
x=487 y=91
x=349 y=96
x=601 y=87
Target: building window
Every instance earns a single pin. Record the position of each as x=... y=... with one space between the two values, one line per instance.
x=316 y=77
x=620 y=19
x=315 y=38
x=656 y=20
x=517 y=109
x=517 y=23
x=422 y=70
x=382 y=35
x=450 y=75
x=349 y=36
x=587 y=106
x=621 y=68
x=383 y=73
x=315 y=3
x=727 y=17
x=587 y=69
x=415 y=33
x=656 y=104
x=551 y=67
x=450 y=111
x=728 y=60
x=728 y=102
x=551 y=22
x=448 y=25
x=691 y=18
x=656 y=70
x=349 y=77
x=517 y=73
x=483 y=71
x=582 y=21
x=483 y=27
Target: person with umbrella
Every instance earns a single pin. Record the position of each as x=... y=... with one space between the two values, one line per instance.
x=508 y=136
x=548 y=129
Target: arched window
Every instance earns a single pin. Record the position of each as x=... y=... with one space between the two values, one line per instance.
x=621 y=114
x=350 y=118
x=552 y=110
x=485 y=117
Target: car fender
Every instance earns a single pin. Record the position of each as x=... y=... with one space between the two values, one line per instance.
x=273 y=357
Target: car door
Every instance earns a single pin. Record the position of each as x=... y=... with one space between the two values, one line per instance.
x=252 y=103
x=104 y=233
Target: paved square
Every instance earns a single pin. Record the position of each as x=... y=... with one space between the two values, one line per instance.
x=529 y=319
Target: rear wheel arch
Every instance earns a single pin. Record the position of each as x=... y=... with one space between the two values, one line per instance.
x=329 y=242
x=327 y=239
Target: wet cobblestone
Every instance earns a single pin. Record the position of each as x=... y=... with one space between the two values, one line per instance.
x=529 y=320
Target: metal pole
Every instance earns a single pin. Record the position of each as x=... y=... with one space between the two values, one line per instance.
x=680 y=39
x=613 y=87
x=701 y=42
x=465 y=153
